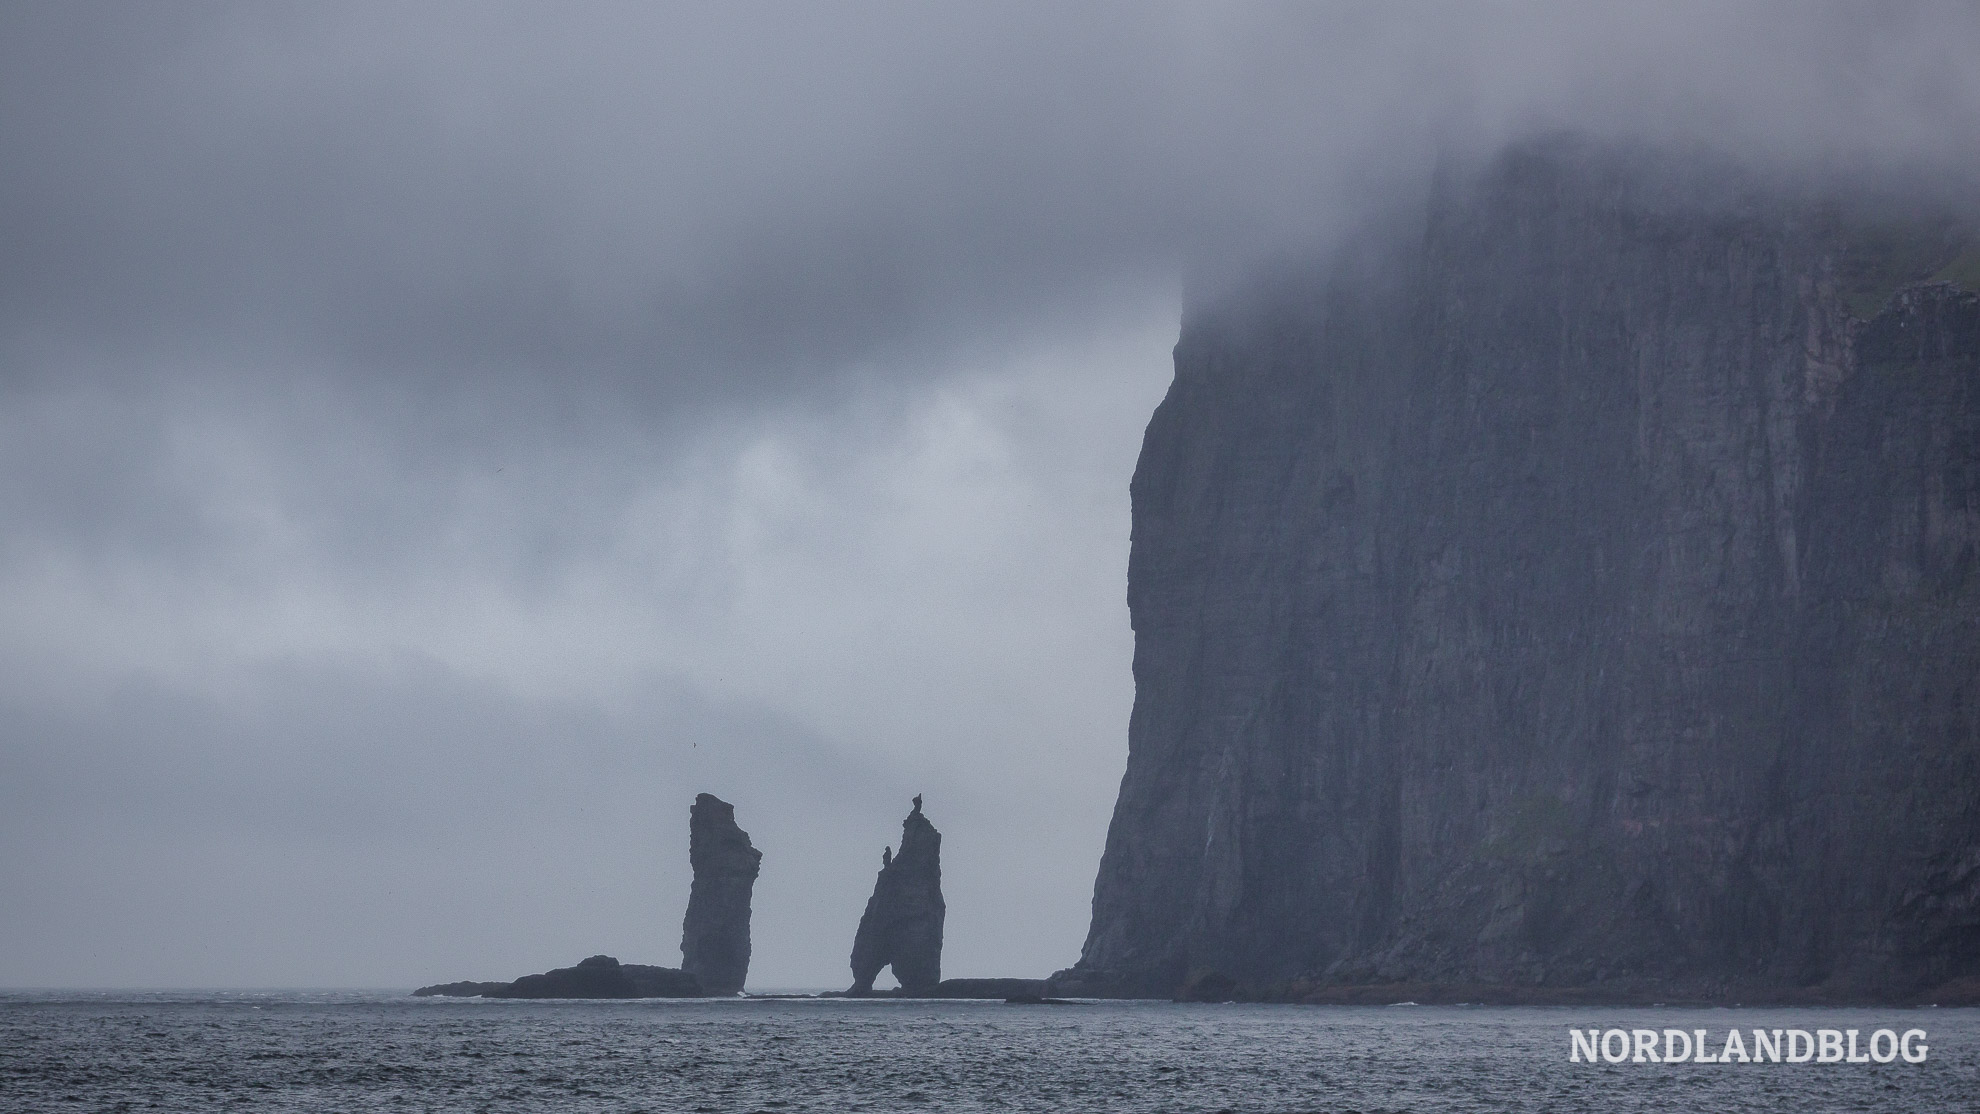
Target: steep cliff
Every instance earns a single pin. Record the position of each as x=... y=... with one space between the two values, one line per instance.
x=715 y=931
x=902 y=925
x=1573 y=585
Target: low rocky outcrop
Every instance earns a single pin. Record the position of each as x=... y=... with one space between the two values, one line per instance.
x=715 y=932
x=987 y=988
x=961 y=989
x=601 y=976
x=902 y=926
x=458 y=990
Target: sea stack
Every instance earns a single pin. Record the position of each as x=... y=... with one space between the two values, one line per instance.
x=715 y=933
x=902 y=925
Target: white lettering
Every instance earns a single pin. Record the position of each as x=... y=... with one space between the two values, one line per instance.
x=1793 y=1046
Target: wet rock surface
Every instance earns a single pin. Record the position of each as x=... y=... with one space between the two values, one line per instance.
x=1572 y=585
x=902 y=925
x=715 y=931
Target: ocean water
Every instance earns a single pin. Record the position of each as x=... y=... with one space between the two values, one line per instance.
x=299 y=1051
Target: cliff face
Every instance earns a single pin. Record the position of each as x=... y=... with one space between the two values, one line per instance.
x=1575 y=587
x=715 y=932
x=902 y=925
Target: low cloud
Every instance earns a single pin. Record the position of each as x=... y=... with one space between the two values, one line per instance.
x=436 y=441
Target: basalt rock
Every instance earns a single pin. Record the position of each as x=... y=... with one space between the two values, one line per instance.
x=902 y=925
x=715 y=932
x=463 y=989
x=988 y=988
x=1574 y=584
x=601 y=976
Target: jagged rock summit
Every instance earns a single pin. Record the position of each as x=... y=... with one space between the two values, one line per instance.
x=715 y=932
x=902 y=925
x=1573 y=584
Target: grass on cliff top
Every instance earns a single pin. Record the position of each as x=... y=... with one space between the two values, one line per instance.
x=1963 y=271
x=1881 y=257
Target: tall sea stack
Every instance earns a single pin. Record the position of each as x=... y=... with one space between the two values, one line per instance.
x=715 y=933
x=902 y=925
x=1572 y=585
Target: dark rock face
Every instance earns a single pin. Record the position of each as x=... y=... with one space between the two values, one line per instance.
x=1575 y=588
x=966 y=989
x=902 y=925
x=601 y=976
x=715 y=932
x=458 y=989
x=988 y=988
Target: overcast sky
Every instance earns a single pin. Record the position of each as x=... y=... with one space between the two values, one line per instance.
x=436 y=441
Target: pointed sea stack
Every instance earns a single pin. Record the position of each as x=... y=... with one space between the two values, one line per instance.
x=902 y=925
x=715 y=933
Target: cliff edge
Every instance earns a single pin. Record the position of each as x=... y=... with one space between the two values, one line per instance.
x=1572 y=586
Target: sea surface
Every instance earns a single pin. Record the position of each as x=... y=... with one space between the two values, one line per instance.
x=349 y=1051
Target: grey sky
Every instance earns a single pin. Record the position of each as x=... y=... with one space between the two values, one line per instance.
x=436 y=441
